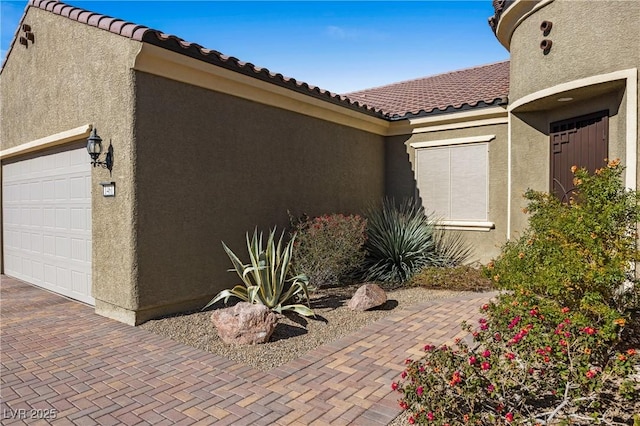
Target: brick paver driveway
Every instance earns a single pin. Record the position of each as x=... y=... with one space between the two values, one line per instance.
x=62 y=361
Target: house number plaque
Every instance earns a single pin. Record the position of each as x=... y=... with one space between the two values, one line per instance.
x=108 y=189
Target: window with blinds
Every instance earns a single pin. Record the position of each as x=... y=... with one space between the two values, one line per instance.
x=452 y=181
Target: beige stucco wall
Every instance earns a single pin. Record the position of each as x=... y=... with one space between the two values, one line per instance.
x=589 y=39
x=212 y=167
x=71 y=76
x=401 y=180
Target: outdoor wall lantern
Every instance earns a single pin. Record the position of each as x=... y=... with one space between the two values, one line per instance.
x=94 y=147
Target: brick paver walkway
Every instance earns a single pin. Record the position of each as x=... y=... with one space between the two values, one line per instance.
x=58 y=355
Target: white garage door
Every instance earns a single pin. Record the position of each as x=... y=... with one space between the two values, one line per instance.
x=46 y=203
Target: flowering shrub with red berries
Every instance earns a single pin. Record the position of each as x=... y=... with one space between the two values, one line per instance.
x=550 y=349
x=329 y=249
x=527 y=360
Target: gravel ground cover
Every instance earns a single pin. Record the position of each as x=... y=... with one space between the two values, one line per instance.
x=294 y=335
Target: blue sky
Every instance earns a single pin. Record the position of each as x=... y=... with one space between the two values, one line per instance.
x=339 y=46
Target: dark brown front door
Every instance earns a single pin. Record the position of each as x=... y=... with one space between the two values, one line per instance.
x=582 y=142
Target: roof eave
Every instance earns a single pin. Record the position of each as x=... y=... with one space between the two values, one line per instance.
x=500 y=101
x=213 y=57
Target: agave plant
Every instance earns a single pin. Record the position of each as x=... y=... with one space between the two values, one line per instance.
x=402 y=239
x=266 y=278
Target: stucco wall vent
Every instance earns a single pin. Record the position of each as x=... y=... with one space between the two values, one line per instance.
x=545 y=27
x=27 y=36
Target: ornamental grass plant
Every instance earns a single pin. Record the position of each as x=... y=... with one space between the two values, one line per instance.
x=402 y=239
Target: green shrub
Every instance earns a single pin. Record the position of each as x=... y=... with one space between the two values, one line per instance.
x=329 y=249
x=531 y=361
x=402 y=239
x=266 y=278
x=581 y=253
x=546 y=351
x=462 y=278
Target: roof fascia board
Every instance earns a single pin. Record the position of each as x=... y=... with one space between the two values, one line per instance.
x=166 y=63
x=460 y=120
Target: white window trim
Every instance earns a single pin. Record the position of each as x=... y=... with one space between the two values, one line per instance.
x=465 y=225
x=456 y=141
x=461 y=225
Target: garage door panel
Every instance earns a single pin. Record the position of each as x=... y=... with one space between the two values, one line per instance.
x=61 y=160
x=26 y=267
x=63 y=247
x=78 y=157
x=35 y=191
x=36 y=243
x=47 y=222
x=8 y=189
x=11 y=262
x=48 y=192
x=49 y=245
x=77 y=221
x=24 y=192
x=62 y=218
x=49 y=217
x=36 y=217
x=79 y=282
x=61 y=190
x=12 y=238
x=25 y=241
x=11 y=215
x=37 y=271
x=63 y=277
x=25 y=216
x=78 y=250
x=49 y=275
x=78 y=190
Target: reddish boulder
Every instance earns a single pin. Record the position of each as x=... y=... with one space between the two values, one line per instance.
x=366 y=297
x=244 y=323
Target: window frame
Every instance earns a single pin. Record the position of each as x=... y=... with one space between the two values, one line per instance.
x=459 y=225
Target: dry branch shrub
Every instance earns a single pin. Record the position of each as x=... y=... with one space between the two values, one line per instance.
x=329 y=249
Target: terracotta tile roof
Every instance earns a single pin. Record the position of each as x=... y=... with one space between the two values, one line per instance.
x=194 y=50
x=472 y=87
x=480 y=86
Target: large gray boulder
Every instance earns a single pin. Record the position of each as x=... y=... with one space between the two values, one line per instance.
x=244 y=323
x=366 y=297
